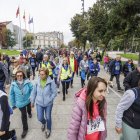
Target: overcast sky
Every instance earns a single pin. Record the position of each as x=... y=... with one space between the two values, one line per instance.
x=49 y=15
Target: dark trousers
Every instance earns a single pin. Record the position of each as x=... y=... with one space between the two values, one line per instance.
x=24 y=110
x=117 y=79
x=33 y=69
x=82 y=83
x=72 y=79
x=39 y=63
x=65 y=87
x=77 y=70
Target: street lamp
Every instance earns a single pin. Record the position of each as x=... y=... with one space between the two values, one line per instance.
x=83 y=6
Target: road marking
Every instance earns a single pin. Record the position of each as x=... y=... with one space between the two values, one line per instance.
x=115 y=92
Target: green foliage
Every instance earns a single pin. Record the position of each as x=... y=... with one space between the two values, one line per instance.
x=10 y=52
x=130 y=56
x=27 y=40
x=110 y=24
x=9 y=38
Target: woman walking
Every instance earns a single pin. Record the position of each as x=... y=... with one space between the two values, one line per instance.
x=43 y=95
x=65 y=76
x=20 y=91
x=89 y=113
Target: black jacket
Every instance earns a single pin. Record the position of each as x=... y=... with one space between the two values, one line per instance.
x=112 y=67
x=5 y=114
x=126 y=70
x=39 y=56
x=132 y=79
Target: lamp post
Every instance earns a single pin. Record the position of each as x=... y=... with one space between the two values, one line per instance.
x=83 y=6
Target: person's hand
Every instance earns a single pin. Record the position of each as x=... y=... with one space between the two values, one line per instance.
x=7 y=86
x=2 y=133
x=118 y=130
x=32 y=105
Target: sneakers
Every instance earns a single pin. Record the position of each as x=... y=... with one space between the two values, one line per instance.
x=24 y=133
x=43 y=127
x=13 y=135
x=120 y=89
x=30 y=115
x=47 y=133
x=58 y=91
x=63 y=98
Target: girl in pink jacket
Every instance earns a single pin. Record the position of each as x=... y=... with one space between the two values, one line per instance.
x=89 y=113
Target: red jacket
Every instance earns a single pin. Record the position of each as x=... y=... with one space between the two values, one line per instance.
x=75 y=64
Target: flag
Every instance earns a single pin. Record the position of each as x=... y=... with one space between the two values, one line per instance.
x=30 y=20
x=17 y=13
x=24 y=16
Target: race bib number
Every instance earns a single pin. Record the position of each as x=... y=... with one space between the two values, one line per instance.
x=117 y=68
x=95 y=125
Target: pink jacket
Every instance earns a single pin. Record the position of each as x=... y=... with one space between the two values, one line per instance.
x=78 y=124
x=106 y=59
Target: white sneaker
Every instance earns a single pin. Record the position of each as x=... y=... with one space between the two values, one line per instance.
x=58 y=91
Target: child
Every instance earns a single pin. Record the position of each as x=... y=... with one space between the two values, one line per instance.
x=89 y=113
x=94 y=68
x=5 y=111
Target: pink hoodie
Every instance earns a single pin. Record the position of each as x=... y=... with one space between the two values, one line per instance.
x=78 y=125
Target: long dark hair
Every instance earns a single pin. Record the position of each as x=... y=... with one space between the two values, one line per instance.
x=92 y=85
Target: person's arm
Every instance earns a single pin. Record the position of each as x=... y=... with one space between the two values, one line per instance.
x=127 y=81
x=98 y=68
x=125 y=102
x=53 y=90
x=5 y=70
x=12 y=96
x=75 y=122
x=6 y=113
x=33 y=94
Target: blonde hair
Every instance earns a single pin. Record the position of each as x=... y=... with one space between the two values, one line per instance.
x=46 y=71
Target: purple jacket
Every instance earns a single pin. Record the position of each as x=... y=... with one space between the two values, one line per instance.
x=78 y=125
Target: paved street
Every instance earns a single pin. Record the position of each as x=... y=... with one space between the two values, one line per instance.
x=61 y=116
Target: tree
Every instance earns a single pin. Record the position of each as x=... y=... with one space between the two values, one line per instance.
x=27 y=40
x=9 y=38
x=79 y=28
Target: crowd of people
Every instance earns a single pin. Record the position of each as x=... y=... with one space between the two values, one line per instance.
x=34 y=80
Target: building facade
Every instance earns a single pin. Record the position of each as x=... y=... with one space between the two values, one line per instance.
x=16 y=30
x=48 y=39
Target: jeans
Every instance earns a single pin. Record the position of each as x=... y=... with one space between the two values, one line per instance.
x=2 y=85
x=45 y=111
x=24 y=110
x=117 y=79
x=39 y=62
x=129 y=133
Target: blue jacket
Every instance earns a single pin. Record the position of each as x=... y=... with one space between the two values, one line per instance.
x=94 y=68
x=115 y=67
x=20 y=98
x=44 y=96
